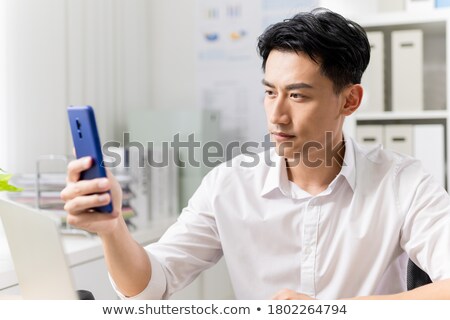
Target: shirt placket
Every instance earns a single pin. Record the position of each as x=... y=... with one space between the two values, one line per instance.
x=309 y=245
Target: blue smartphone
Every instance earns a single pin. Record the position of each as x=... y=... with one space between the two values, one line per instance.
x=86 y=141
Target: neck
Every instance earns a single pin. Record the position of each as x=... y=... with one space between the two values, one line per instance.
x=315 y=170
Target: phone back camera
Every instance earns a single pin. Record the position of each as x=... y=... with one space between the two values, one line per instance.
x=78 y=124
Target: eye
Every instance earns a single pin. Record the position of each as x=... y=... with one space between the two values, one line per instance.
x=297 y=96
x=269 y=92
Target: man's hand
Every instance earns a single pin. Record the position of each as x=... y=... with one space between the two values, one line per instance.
x=82 y=195
x=128 y=263
x=287 y=294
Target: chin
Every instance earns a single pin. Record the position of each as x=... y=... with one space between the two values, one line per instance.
x=289 y=153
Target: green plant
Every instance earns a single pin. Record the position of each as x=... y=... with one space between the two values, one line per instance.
x=4 y=182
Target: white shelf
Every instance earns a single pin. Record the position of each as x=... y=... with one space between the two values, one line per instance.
x=435 y=25
x=403 y=17
x=389 y=115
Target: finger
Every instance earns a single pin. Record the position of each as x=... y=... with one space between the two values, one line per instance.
x=283 y=294
x=84 y=203
x=85 y=187
x=75 y=167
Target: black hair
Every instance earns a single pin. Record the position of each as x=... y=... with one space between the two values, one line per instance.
x=338 y=45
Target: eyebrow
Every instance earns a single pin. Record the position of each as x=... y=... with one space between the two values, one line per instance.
x=292 y=86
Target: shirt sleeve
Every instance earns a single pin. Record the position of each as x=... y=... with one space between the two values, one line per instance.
x=426 y=229
x=155 y=288
x=188 y=247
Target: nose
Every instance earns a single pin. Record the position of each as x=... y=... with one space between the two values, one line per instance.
x=279 y=112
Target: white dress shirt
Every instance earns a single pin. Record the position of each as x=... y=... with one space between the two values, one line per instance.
x=352 y=239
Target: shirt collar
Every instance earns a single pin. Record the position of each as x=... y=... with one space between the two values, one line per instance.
x=348 y=170
x=277 y=177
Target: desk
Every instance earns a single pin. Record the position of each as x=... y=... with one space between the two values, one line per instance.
x=85 y=257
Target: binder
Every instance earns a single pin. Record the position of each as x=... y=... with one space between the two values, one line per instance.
x=429 y=147
x=373 y=78
x=407 y=70
x=399 y=138
x=369 y=135
x=140 y=186
x=155 y=184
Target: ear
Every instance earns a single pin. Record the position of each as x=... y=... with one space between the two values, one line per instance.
x=353 y=97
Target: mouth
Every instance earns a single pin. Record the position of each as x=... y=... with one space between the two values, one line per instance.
x=282 y=136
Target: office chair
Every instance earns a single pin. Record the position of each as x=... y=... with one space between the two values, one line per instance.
x=415 y=277
x=85 y=295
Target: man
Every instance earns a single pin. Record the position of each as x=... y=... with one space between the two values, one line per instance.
x=329 y=220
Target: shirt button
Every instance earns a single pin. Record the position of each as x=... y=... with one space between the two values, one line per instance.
x=313 y=204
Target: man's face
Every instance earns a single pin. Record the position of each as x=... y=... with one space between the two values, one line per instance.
x=300 y=104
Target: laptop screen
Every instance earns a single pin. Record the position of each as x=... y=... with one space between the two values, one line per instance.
x=37 y=253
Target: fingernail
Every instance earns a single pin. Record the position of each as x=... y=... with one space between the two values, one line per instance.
x=87 y=161
x=102 y=198
x=103 y=183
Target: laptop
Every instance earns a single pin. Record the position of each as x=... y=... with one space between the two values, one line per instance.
x=37 y=252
